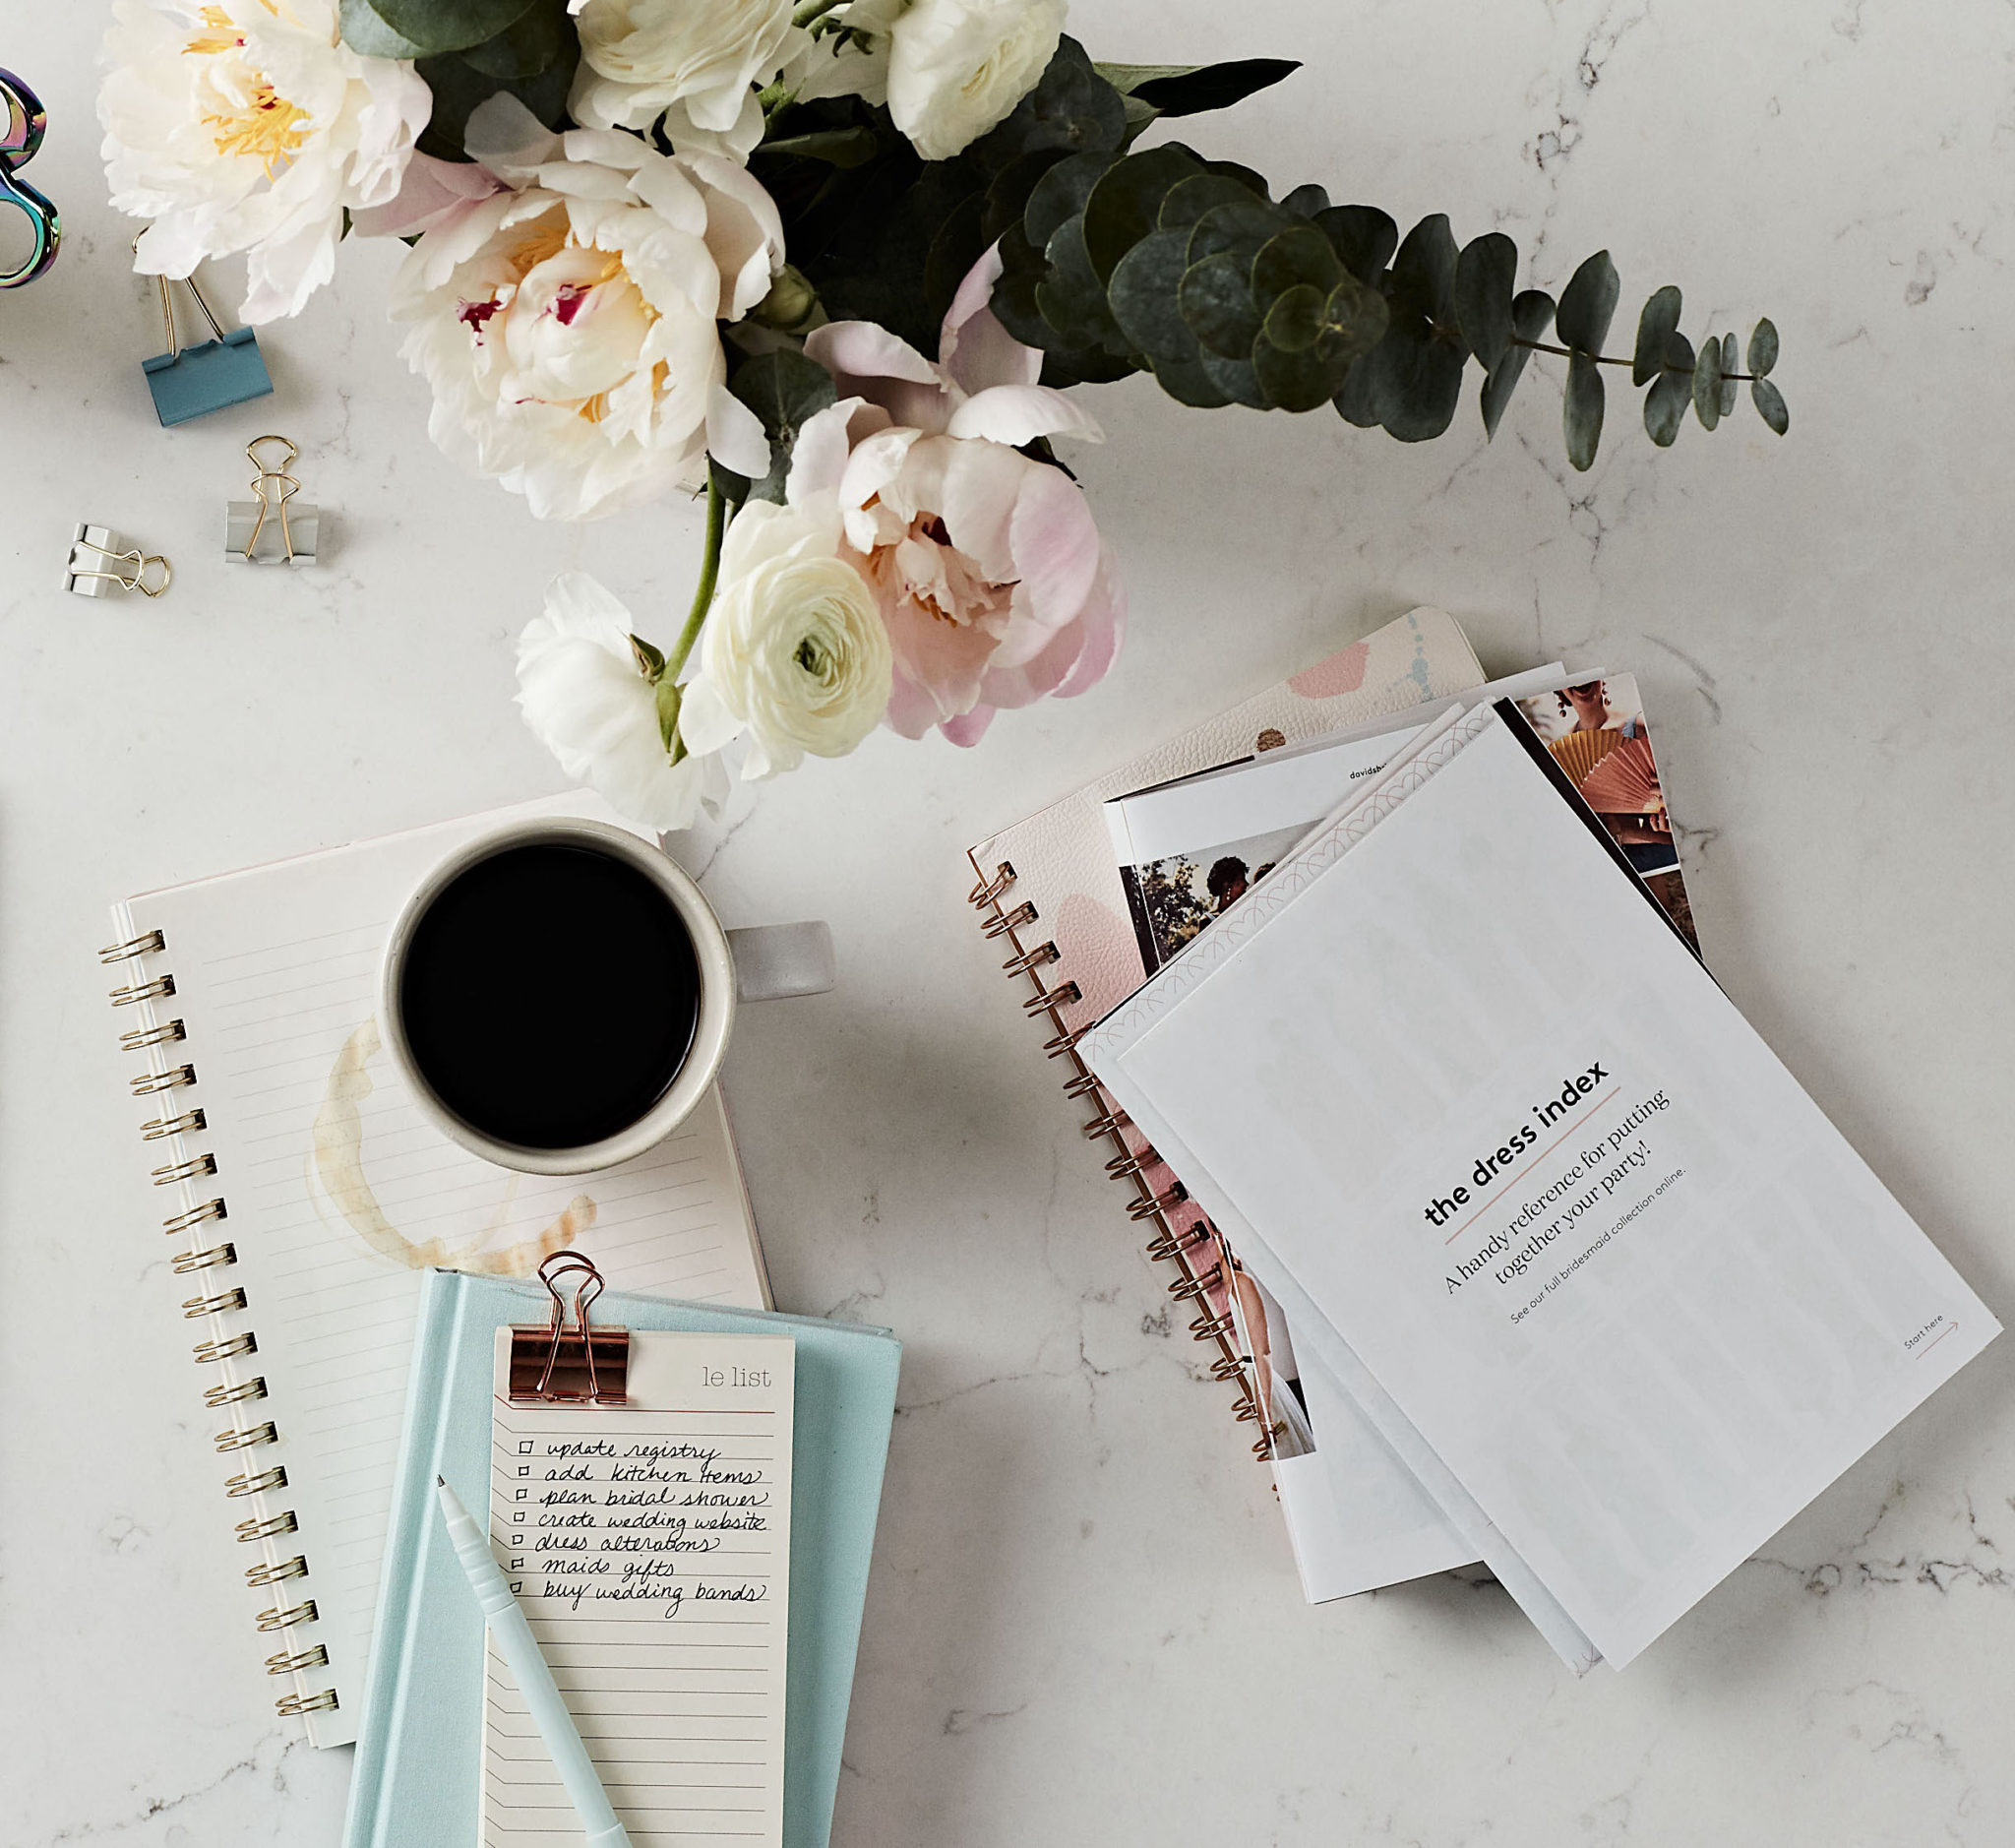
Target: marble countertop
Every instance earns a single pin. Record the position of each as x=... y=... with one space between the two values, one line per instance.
x=1084 y=1625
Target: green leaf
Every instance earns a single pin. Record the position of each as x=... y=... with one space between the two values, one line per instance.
x=785 y=390
x=1300 y=253
x=1485 y=274
x=1236 y=379
x=1423 y=271
x=369 y=36
x=955 y=250
x=1730 y=361
x=835 y=147
x=459 y=87
x=1707 y=384
x=668 y=698
x=1581 y=409
x=1296 y=379
x=535 y=42
x=1194 y=88
x=1236 y=229
x=1654 y=326
x=1665 y=405
x=1410 y=383
x=1216 y=300
x=1061 y=194
x=1185 y=381
x=1305 y=201
x=1294 y=322
x=1143 y=295
x=649 y=661
x=1254 y=183
x=1763 y=350
x=1125 y=204
x=1007 y=196
x=437 y=25
x=1588 y=304
x=1365 y=238
x=1356 y=319
x=1192 y=198
x=1072 y=298
x=1532 y=313
x=1071 y=107
x=1770 y=405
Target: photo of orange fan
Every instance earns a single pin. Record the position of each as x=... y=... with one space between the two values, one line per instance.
x=1579 y=752
x=1625 y=781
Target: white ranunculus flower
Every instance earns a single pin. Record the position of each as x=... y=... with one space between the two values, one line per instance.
x=566 y=326
x=794 y=656
x=697 y=65
x=583 y=694
x=956 y=68
x=248 y=125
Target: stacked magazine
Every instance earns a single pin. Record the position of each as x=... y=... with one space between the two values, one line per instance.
x=1580 y=1283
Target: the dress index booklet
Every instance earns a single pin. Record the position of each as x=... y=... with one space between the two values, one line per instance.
x=1600 y=1262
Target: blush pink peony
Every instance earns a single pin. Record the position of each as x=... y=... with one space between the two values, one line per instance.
x=989 y=571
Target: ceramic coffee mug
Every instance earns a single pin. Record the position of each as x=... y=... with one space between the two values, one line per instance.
x=729 y=966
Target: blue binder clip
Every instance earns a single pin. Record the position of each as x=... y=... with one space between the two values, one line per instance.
x=193 y=381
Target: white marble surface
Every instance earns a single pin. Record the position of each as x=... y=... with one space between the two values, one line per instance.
x=1084 y=1625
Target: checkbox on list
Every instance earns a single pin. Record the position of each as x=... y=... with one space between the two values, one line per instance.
x=525 y=1469
x=519 y=1515
x=520 y=1495
x=524 y=1447
x=514 y=1584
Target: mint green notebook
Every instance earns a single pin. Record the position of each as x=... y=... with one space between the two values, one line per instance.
x=419 y=1751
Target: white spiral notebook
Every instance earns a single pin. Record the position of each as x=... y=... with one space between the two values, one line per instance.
x=305 y=1196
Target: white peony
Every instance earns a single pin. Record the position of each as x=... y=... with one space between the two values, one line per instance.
x=697 y=66
x=956 y=68
x=567 y=326
x=584 y=695
x=248 y=125
x=794 y=658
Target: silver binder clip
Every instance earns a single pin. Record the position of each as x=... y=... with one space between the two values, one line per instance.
x=102 y=561
x=273 y=529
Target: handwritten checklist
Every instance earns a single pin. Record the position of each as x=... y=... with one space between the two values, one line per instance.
x=648 y=1545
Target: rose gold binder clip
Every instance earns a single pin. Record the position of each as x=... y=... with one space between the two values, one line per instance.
x=557 y=1364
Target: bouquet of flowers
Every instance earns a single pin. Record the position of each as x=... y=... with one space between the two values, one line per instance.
x=836 y=263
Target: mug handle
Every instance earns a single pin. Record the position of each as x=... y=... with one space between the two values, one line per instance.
x=773 y=960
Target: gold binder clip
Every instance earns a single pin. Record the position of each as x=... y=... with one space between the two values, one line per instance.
x=555 y=1365
x=93 y=547
x=298 y=527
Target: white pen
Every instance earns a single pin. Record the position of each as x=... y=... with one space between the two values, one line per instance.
x=521 y=1651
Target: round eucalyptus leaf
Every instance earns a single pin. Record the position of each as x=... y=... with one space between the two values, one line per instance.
x=1654 y=326
x=1305 y=201
x=1022 y=268
x=1763 y=349
x=1008 y=194
x=1297 y=380
x=1236 y=229
x=534 y=41
x=1189 y=200
x=1185 y=381
x=1125 y=203
x=1707 y=384
x=1071 y=107
x=368 y=36
x=1143 y=298
x=1070 y=297
x=1730 y=361
x=1485 y=276
x=1294 y=324
x=1354 y=319
x=1236 y=379
x=1216 y=300
x=1061 y=194
x=1588 y=304
x=1364 y=238
x=1410 y=383
x=1299 y=254
x=437 y=25
x=1423 y=271
x=1531 y=314
x=1581 y=411
x=1770 y=405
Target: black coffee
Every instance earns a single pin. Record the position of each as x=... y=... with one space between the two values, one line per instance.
x=549 y=995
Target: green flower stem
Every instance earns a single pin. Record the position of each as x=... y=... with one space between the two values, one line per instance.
x=1603 y=360
x=710 y=574
x=813 y=10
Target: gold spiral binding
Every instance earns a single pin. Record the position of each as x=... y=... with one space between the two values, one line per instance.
x=1172 y=1243
x=1190 y=1289
x=208 y=1351
x=256 y=1482
x=250 y=1438
x=191 y=1170
x=286 y=1619
x=145 y=945
x=1044 y=1003
x=1031 y=959
x=219 y=1396
x=198 y=1307
x=217 y=1254
x=189 y=1122
x=283 y=1664
x=143 y=1038
x=265 y=1529
x=266 y=1572
x=292 y=1706
x=194 y=1216
x=175 y=1077
x=133 y=993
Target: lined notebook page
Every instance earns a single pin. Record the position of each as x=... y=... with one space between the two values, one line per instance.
x=339 y=1194
x=650 y=1547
